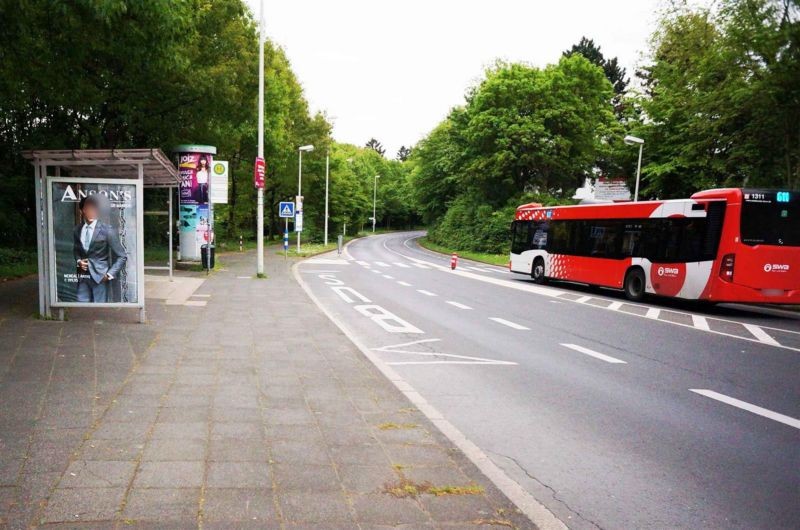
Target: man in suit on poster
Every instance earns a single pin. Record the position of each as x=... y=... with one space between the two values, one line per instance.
x=98 y=253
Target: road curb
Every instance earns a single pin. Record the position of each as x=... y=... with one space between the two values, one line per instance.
x=538 y=514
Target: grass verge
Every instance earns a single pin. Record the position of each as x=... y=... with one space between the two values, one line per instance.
x=483 y=257
x=16 y=263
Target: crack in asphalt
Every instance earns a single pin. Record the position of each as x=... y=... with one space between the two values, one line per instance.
x=552 y=491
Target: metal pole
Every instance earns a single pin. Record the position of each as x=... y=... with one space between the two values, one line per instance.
x=374 y=203
x=171 y=226
x=286 y=239
x=299 y=193
x=260 y=202
x=638 y=173
x=327 y=177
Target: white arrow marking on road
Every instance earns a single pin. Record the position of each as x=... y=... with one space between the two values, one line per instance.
x=596 y=355
x=458 y=305
x=508 y=323
x=761 y=335
x=462 y=359
x=755 y=409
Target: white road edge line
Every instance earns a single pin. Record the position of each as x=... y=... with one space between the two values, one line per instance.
x=527 y=504
x=755 y=409
x=596 y=355
x=458 y=305
x=761 y=335
x=508 y=323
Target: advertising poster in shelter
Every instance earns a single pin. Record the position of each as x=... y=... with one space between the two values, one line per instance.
x=94 y=233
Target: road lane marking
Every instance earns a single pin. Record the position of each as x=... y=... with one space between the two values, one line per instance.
x=327 y=261
x=700 y=322
x=426 y=293
x=596 y=355
x=386 y=319
x=341 y=290
x=460 y=359
x=376 y=271
x=382 y=264
x=651 y=313
x=388 y=277
x=615 y=306
x=401 y=265
x=761 y=335
x=508 y=323
x=243 y=277
x=458 y=305
x=537 y=512
x=755 y=409
x=363 y=263
x=420 y=266
x=583 y=299
x=404 y=284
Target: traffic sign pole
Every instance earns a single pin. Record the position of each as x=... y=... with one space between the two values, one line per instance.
x=286 y=240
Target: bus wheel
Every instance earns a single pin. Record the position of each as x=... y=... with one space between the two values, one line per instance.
x=634 y=285
x=537 y=272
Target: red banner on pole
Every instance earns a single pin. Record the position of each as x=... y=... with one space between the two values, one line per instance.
x=259 y=170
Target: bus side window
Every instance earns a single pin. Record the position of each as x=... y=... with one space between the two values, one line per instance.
x=539 y=240
x=632 y=240
x=519 y=236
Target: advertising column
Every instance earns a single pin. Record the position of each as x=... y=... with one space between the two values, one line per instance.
x=194 y=167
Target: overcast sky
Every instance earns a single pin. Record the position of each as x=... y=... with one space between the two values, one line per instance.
x=392 y=70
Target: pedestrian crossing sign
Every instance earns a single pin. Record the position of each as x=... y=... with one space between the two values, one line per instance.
x=286 y=209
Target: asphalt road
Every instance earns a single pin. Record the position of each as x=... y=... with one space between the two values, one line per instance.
x=662 y=414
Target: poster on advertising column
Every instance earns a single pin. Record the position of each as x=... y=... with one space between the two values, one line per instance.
x=96 y=254
x=195 y=166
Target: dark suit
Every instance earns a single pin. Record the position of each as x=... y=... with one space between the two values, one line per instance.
x=106 y=256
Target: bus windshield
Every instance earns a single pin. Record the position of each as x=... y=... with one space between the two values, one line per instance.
x=771 y=218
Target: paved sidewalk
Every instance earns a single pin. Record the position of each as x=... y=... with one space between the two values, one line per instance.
x=251 y=411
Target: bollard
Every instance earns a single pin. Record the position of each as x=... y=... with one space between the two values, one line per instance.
x=241 y=247
x=453 y=261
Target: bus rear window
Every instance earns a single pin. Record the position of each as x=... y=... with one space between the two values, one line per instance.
x=769 y=221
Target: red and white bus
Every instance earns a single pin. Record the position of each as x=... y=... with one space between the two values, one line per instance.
x=723 y=245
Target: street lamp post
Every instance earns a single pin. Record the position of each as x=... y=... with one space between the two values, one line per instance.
x=327 y=180
x=306 y=148
x=374 y=201
x=260 y=198
x=633 y=140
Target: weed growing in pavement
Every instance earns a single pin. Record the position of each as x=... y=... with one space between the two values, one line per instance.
x=408 y=488
x=391 y=426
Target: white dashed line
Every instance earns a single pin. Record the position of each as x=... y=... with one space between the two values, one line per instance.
x=653 y=313
x=615 y=306
x=596 y=355
x=760 y=334
x=404 y=284
x=388 y=277
x=700 y=322
x=375 y=271
x=583 y=299
x=508 y=323
x=402 y=265
x=420 y=265
x=458 y=305
x=426 y=293
x=363 y=263
x=243 y=277
x=755 y=409
x=382 y=264
x=202 y=295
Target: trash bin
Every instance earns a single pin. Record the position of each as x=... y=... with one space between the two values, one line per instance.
x=204 y=256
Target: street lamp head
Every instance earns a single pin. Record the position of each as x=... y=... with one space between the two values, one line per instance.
x=306 y=148
x=633 y=140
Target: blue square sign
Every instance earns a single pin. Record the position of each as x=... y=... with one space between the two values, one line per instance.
x=286 y=209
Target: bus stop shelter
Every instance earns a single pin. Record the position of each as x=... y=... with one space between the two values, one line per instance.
x=106 y=172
